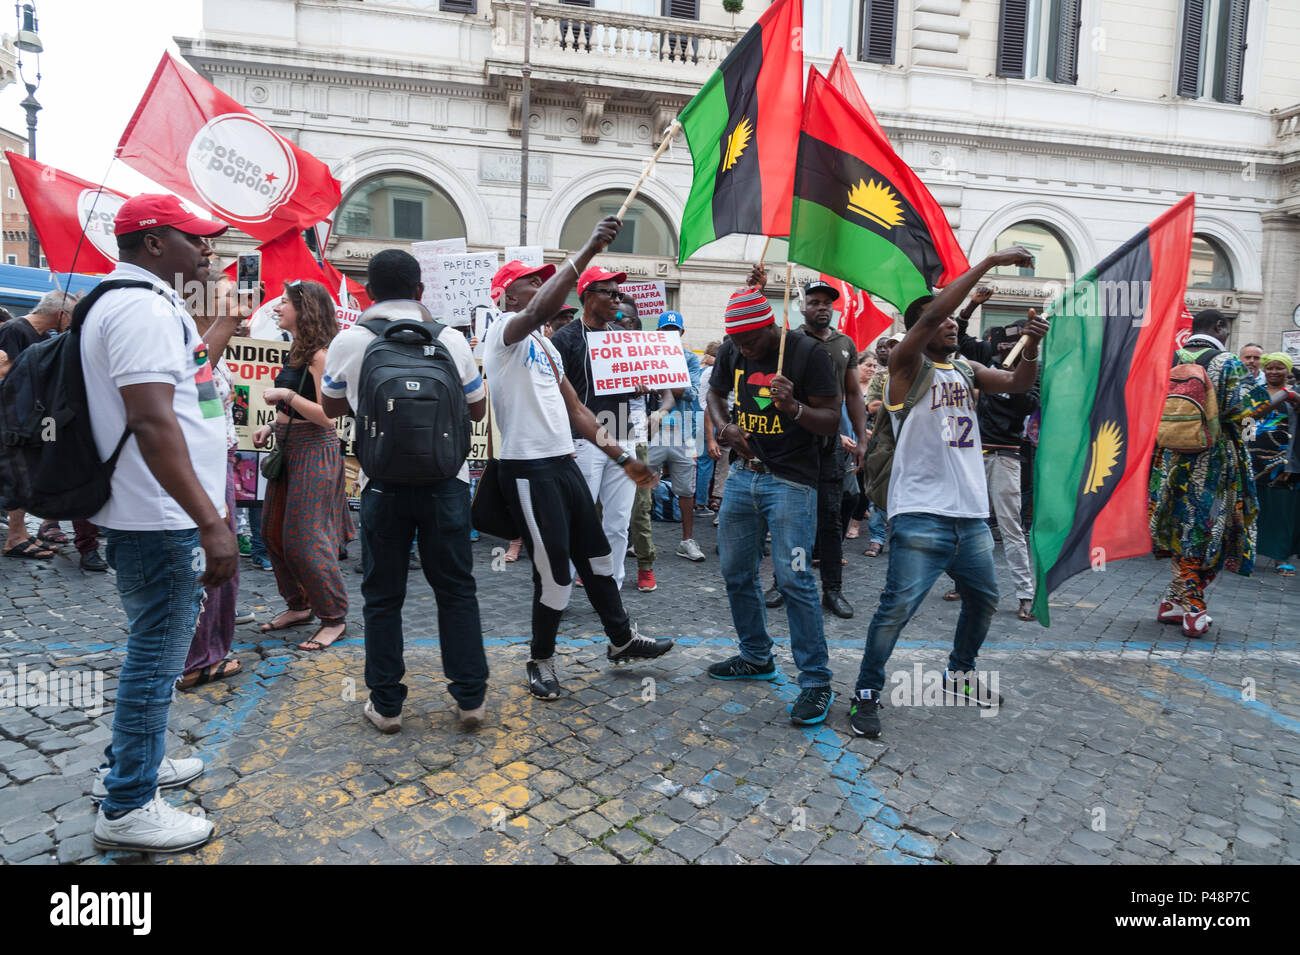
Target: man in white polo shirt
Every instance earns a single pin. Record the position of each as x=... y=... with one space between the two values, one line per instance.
x=149 y=385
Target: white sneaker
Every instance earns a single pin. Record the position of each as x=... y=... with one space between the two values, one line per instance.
x=690 y=550
x=472 y=719
x=385 y=724
x=171 y=773
x=154 y=827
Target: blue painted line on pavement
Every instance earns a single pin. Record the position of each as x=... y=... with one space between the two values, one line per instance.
x=1234 y=694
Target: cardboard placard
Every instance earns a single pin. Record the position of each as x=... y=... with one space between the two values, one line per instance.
x=253 y=364
x=530 y=255
x=347 y=317
x=429 y=254
x=466 y=283
x=620 y=361
x=651 y=300
x=1291 y=345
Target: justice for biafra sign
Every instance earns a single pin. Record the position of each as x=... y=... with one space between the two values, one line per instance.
x=621 y=361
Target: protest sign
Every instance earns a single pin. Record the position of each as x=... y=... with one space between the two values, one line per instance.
x=620 y=361
x=253 y=365
x=429 y=255
x=466 y=282
x=651 y=300
x=347 y=316
x=530 y=255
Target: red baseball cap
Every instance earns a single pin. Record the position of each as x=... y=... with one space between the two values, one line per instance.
x=147 y=211
x=596 y=274
x=512 y=272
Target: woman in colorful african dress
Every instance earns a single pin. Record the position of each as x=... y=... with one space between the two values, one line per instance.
x=1279 y=504
x=1203 y=507
x=302 y=521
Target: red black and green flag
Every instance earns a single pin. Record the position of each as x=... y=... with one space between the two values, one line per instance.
x=1105 y=376
x=743 y=130
x=859 y=212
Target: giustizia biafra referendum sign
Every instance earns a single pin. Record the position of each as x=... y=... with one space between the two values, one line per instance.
x=620 y=361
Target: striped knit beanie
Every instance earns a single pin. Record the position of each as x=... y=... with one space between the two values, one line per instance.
x=747 y=309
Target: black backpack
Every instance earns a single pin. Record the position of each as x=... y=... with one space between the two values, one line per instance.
x=413 y=421
x=49 y=464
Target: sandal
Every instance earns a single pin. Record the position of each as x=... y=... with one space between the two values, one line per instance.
x=852 y=533
x=873 y=549
x=30 y=550
x=276 y=625
x=1025 y=612
x=952 y=595
x=1285 y=570
x=219 y=670
x=314 y=644
x=50 y=534
x=512 y=553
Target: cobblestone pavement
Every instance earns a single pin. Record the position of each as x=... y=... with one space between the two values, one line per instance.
x=1120 y=741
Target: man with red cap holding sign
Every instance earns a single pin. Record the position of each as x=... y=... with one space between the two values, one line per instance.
x=784 y=405
x=149 y=385
x=537 y=409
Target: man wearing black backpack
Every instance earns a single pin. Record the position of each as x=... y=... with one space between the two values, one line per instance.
x=154 y=409
x=413 y=392
x=938 y=499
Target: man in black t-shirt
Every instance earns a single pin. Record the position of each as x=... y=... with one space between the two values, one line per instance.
x=779 y=422
x=601 y=301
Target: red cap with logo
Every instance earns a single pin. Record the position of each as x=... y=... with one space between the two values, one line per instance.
x=596 y=274
x=148 y=211
x=513 y=272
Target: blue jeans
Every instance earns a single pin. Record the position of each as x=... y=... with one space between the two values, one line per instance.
x=703 y=479
x=921 y=547
x=256 y=546
x=437 y=518
x=157 y=579
x=752 y=505
x=877 y=527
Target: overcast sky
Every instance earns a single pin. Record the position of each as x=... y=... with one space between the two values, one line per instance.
x=98 y=58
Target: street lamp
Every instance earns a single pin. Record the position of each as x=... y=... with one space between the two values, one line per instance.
x=29 y=40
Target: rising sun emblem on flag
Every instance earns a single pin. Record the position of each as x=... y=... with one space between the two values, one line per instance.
x=876 y=202
x=1105 y=454
x=737 y=142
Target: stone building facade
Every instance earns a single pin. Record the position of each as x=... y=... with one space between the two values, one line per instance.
x=1067 y=125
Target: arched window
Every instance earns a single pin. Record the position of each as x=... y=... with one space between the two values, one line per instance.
x=646 y=230
x=1209 y=266
x=1052 y=259
x=397 y=205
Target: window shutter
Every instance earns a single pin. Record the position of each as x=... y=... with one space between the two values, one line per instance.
x=879 y=27
x=1067 y=44
x=1011 y=38
x=579 y=3
x=1234 y=50
x=682 y=9
x=1189 y=53
x=458 y=6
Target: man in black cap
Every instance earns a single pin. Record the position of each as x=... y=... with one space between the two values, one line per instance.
x=818 y=299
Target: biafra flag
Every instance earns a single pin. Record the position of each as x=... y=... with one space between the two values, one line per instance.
x=743 y=129
x=1105 y=376
x=859 y=211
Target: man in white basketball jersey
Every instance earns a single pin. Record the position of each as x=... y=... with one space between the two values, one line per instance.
x=938 y=496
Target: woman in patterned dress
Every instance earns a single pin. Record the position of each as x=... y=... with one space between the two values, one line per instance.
x=302 y=521
x=1279 y=510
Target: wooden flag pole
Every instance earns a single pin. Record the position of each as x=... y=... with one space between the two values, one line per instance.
x=668 y=138
x=785 y=321
x=762 y=256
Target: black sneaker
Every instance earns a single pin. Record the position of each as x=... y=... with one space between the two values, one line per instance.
x=813 y=704
x=92 y=562
x=738 y=668
x=973 y=692
x=638 y=648
x=773 y=598
x=864 y=714
x=542 y=681
x=834 y=601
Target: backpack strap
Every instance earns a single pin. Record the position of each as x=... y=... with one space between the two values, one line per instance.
x=919 y=387
x=82 y=308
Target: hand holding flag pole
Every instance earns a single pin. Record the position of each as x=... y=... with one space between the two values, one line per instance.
x=1020 y=345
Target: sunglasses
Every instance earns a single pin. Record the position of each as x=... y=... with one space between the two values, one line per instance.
x=611 y=292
